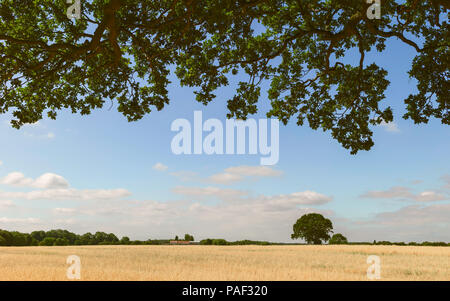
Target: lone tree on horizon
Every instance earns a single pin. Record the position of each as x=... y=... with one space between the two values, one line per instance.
x=313 y=228
x=123 y=52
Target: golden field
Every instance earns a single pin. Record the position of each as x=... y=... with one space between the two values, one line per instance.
x=196 y=262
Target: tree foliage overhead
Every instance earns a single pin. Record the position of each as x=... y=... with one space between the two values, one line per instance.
x=122 y=51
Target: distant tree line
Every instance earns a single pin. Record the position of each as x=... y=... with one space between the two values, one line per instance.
x=65 y=238
x=223 y=242
x=425 y=243
x=336 y=241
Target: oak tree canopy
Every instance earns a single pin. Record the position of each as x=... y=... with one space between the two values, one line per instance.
x=123 y=51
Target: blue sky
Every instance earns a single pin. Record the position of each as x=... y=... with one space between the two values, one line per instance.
x=101 y=173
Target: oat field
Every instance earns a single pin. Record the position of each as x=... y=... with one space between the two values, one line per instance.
x=196 y=262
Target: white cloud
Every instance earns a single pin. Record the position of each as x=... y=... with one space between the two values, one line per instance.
x=45 y=181
x=54 y=187
x=65 y=210
x=256 y=171
x=204 y=192
x=296 y=198
x=160 y=167
x=393 y=192
x=1 y=163
x=50 y=180
x=68 y=194
x=417 y=215
x=32 y=125
x=225 y=178
x=400 y=192
x=6 y=204
x=16 y=179
x=446 y=179
x=30 y=220
x=185 y=175
x=390 y=127
x=429 y=196
x=238 y=173
x=49 y=135
x=276 y=202
x=411 y=223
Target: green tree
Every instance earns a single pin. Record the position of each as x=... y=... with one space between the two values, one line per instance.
x=176 y=237
x=38 y=235
x=219 y=242
x=20 y=239
x=313 y=228
x=125 y=240
x=61 y=242
x=338 y=239
x=100 y=237
x=112 y=238
x=87 y=239
x=2 y=241
x=188 y=237
x=48 y=241
x=207 y=241
x=122 y=51
x=7 y=237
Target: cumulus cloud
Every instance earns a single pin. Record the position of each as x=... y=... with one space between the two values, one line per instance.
x=405 y=193
x=6 y=204
x=446 y=179
x=225 y=178
x=391 y=127
x=411 y=223
x=50 y=180
x=417 y=215
x=29 y=220
x=393 y=192
x=16 y=179
x=45 y=181
x=48 y=135
x=160 y=167
x=33 y=125
x=238 y=173
x=185 y=175
x=256 y=171
x=68 y=194
x=51 y=186
x=429 y=196
x=65 y=210
x=205 y=192
x=277 y=202
x=297 y=198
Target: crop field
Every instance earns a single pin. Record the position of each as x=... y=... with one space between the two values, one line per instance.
x=194 y=262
